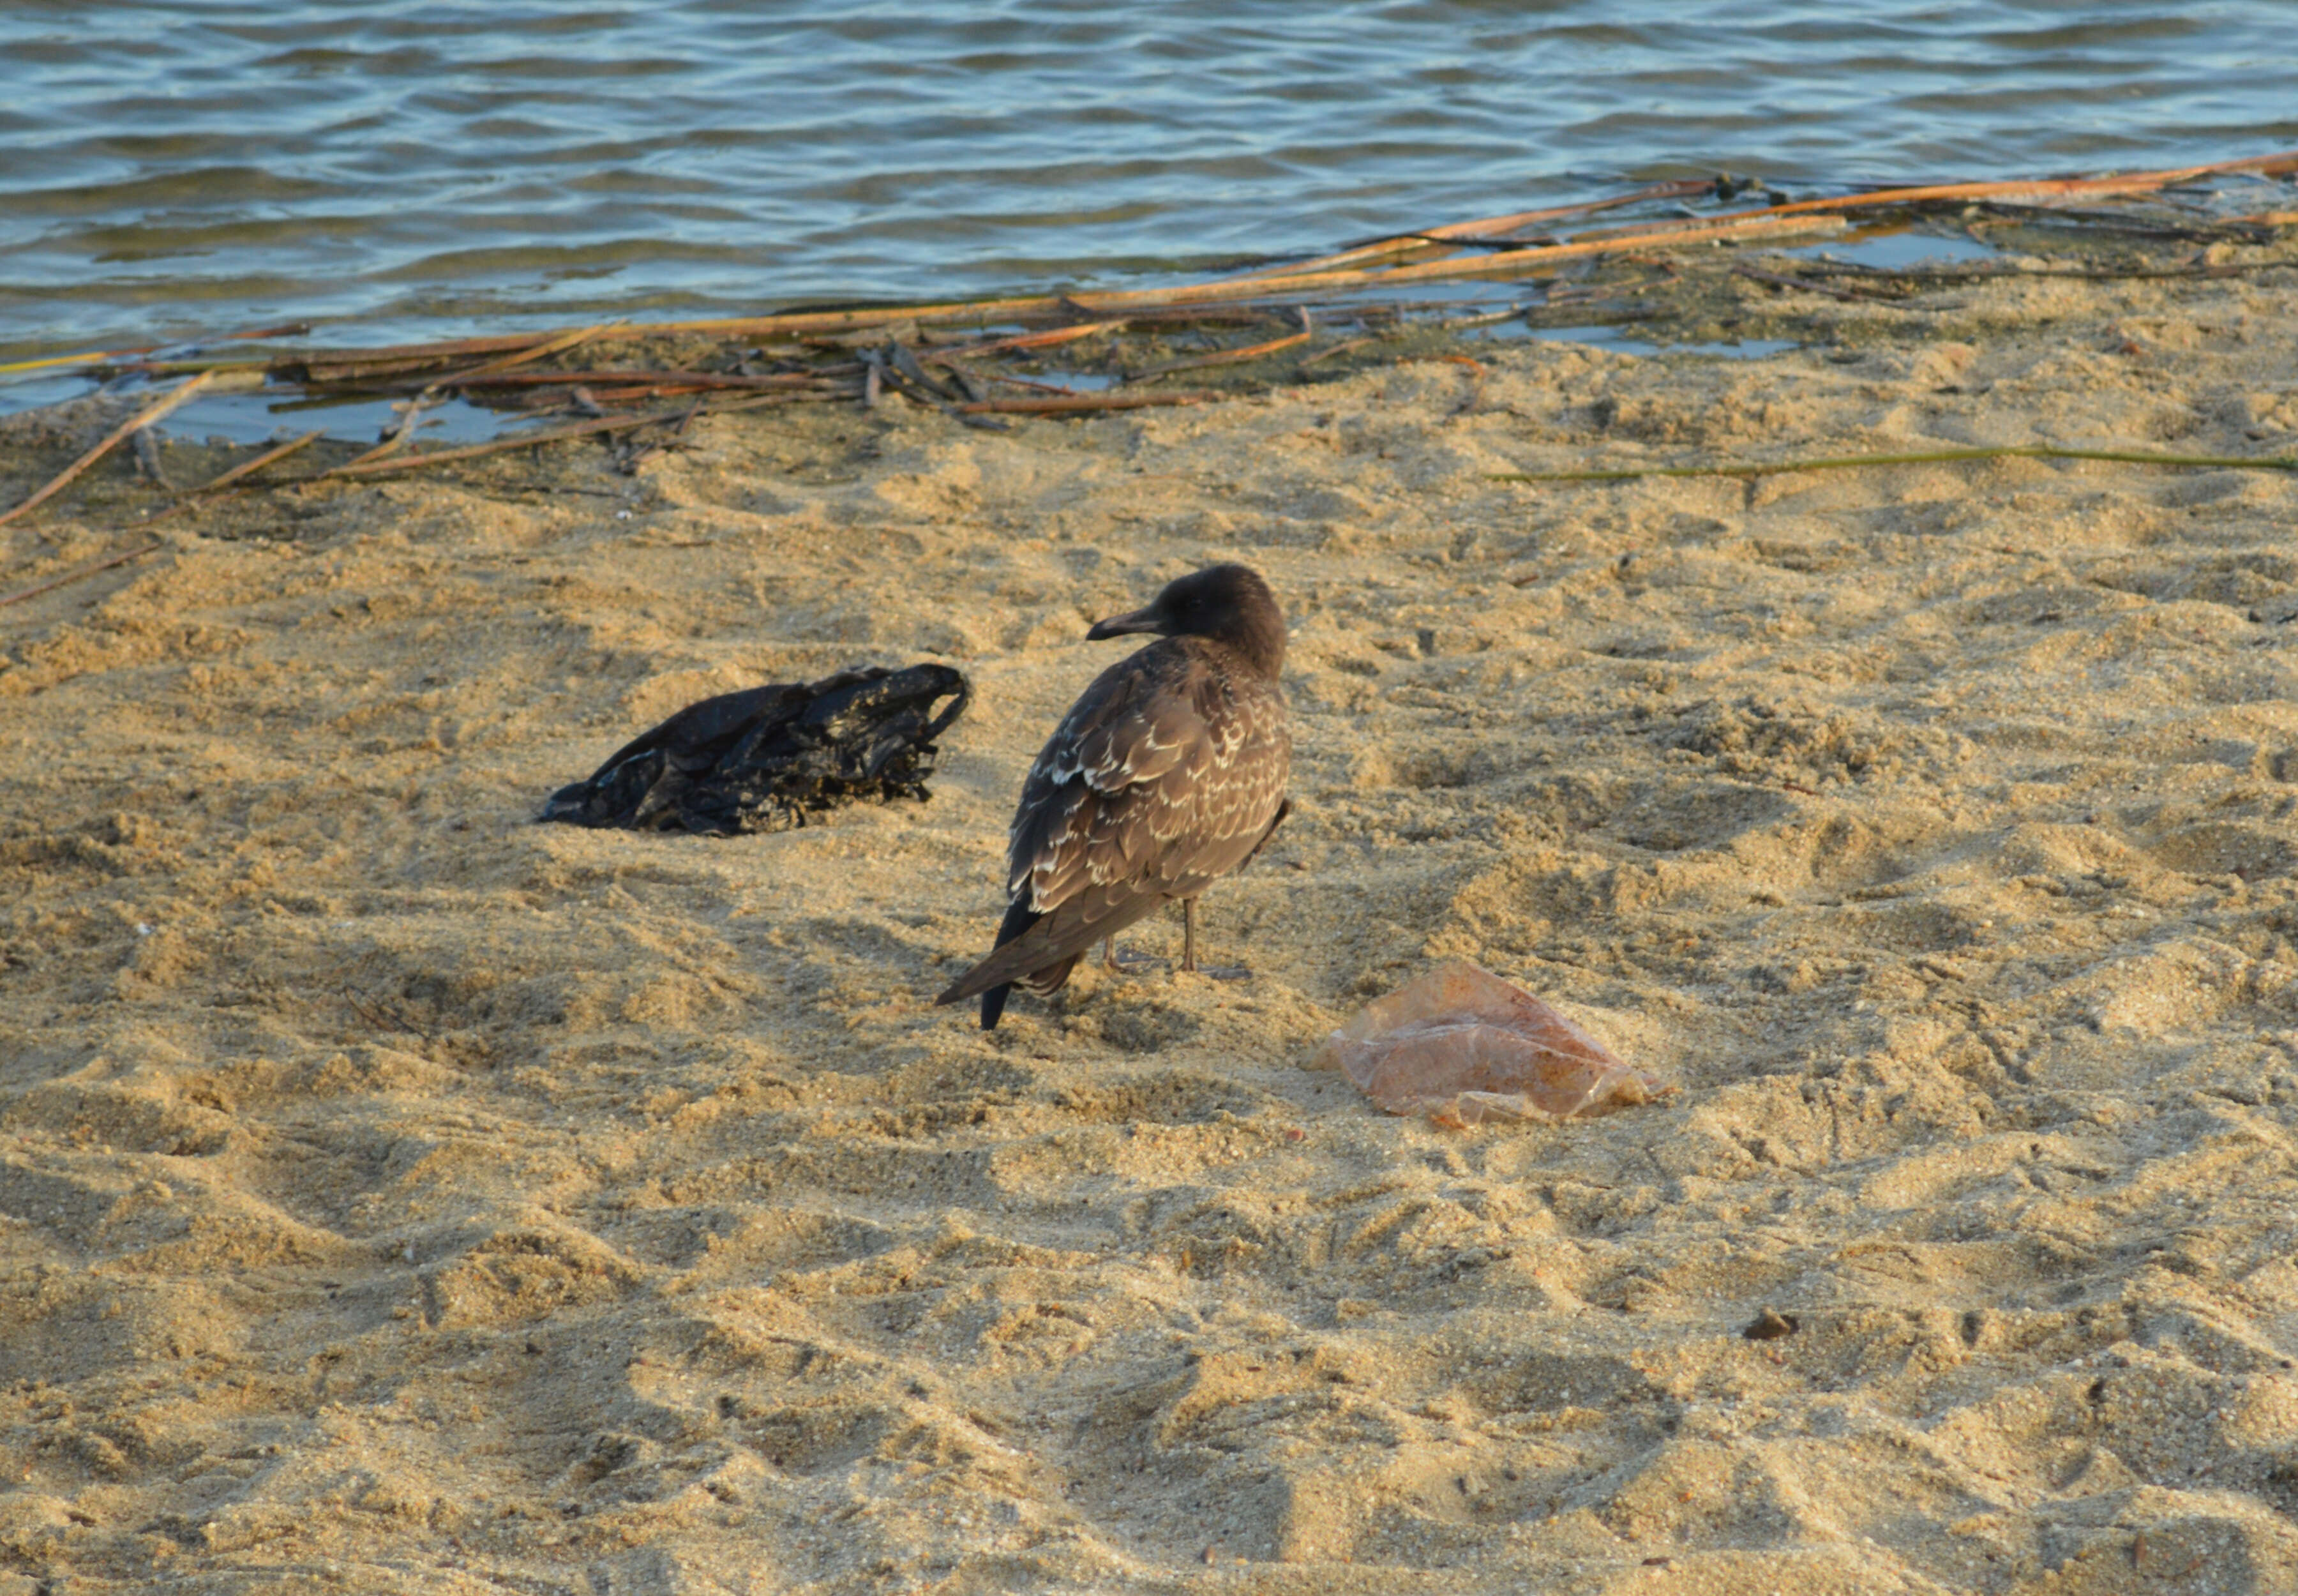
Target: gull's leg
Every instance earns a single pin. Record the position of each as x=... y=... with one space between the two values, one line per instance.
x=1109 y=953
x=1188 y=933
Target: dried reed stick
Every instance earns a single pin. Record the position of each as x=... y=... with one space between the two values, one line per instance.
x=1069 y=404
x=1228 y=357
x=611 y=423
x=399 y=437
x=250 y=468
x=92 y=357
x=1681 y=188
x=415 y=462
x=548 y=346
x=693 y=379
x=151 y=413
x=74 y=575
x=2030 y=451
x=97 y=357
x=2276 y=165
x=1060 y=334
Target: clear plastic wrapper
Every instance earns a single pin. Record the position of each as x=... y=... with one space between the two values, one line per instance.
x=1462 y=1046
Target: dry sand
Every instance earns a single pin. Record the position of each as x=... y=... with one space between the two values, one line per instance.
x=399 y=1196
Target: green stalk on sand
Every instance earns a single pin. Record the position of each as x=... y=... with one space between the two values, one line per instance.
x=2027 y=451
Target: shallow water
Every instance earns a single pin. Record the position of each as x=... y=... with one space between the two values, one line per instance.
x=178 y=167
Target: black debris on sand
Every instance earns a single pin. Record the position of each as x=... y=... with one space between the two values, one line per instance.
x=767 y=758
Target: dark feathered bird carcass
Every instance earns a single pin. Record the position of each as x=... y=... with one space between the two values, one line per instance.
x=765 y=759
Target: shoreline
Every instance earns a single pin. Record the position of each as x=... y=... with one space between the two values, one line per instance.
x=398 y=1191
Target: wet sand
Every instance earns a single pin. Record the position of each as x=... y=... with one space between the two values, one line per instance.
x=396 y=1195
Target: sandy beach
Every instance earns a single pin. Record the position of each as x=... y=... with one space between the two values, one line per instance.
x=400 y=1195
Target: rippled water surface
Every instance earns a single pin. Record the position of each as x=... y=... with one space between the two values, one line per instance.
x=176 y=168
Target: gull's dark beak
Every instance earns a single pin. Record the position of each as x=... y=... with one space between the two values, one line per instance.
x=1140 y=620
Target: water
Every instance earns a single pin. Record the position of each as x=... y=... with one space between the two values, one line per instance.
x=185 y=167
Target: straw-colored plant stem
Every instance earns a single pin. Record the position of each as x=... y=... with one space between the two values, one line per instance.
x=1929 y=456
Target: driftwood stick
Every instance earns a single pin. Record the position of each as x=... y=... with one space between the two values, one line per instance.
x=150 y=413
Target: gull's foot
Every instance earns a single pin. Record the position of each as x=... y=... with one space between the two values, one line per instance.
x=1124 y=961
x=1226 y=972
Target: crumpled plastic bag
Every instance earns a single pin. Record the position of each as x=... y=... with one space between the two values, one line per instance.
x=1462 y=1046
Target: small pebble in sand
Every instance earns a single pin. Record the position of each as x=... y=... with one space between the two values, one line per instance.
x=1770 y=1325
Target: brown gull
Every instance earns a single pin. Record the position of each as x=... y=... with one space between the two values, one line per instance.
x=1167 y=773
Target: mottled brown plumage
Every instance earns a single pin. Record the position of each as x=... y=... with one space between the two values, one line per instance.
x=1168 y=773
